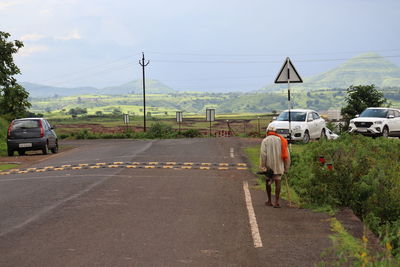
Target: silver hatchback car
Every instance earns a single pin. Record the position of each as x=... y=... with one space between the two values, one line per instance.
x=31 y=134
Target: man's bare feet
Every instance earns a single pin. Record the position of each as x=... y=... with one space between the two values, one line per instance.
x=277 y=205
x=268 y=203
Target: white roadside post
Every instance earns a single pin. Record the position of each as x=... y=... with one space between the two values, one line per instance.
x=126 y=120
x=179 y=119
x=210 y=116
x=288 y=74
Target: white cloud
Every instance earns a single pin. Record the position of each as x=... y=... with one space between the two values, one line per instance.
x=46 y=11
x=31 y=37
x=74 y=35
x=27 y=51
x=4 y=5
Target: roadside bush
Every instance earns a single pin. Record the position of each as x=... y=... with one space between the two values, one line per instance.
x=365 y=177
x=3 y=136
x=63 y=136
x=191 y=133
x=161 y=130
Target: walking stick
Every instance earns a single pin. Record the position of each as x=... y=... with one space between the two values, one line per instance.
x=287 y=190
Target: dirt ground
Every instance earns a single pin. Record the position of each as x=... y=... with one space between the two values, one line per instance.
x=235 y=127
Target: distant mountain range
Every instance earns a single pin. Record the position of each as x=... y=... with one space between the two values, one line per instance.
x=364 y=69
x=133 y=87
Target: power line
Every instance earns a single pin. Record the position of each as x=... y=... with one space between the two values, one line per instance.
x=265 y=62
x=267 y=55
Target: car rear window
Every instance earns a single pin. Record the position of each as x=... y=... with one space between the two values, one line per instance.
x=26 y=124
x=294 y=116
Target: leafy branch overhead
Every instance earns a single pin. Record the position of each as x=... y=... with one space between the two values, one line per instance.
x=13 y=97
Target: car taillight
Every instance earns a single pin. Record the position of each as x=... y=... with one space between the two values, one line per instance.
x=9 y=129
x=41 y=129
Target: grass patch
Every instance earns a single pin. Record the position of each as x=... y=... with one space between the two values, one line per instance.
x=351 y=251
x=7 y=166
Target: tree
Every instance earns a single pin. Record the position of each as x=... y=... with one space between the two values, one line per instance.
x=359 y=98
x=13 y=97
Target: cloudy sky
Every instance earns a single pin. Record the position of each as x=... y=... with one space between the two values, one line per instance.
x=201 y=45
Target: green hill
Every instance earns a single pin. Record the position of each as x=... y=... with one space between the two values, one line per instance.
x=364 y=69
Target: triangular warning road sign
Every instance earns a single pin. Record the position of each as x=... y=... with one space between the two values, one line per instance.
x=288 y=73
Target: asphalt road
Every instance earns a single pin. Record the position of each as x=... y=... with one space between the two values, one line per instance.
x=151 y=217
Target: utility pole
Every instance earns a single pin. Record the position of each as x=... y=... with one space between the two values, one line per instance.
x=141 y=63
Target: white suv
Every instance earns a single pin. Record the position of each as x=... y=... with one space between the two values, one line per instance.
x=377 y=122
x=306 y=124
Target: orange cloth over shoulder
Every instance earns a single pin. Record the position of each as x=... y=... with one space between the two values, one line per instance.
x=284 y=145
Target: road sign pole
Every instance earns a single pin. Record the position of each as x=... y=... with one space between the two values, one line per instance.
x=288 y=74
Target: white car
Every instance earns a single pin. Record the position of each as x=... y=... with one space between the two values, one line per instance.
x=377 y=122
x=306 y=124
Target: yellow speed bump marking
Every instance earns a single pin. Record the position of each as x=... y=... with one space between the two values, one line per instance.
x=223 y=168
x=59 y=169
x=242 y=164
x=4 y=173
x=76 y=168
x=186 y=167
x=205 y=168
x=153 y=163
x=131 y=166
x=14 y=170
x=188 y=163
x=100 y=163
x=23 y=172
x=150 y=167
x=223 y=164
x=241 y=168
x=170 y=163
x=40 y=170
x=118 y=163
x=31 y=169
x=206 y=164
x=135 y=163
x=66 y=166
x=113 y=166
x=83 y=165
x=95 y=167
x=168 y=167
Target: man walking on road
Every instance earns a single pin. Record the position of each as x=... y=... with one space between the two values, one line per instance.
x=275 y=156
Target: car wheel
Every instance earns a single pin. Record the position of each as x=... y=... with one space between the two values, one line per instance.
x=306 y=137
x=21 y=152
x=55 y=149
x=385 y=132
x=45 y=149
x=10 y=152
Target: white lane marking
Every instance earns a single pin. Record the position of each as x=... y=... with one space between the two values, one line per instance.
x=232 y=152
x=255 y=233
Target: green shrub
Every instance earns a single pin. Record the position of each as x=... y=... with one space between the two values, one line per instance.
x=3 y=136
x=365 y=177
x=191 y=133
x=161 y=130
